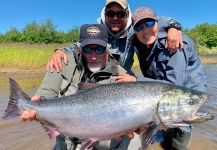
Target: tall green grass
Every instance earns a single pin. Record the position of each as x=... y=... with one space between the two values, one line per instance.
x=202 y=50
x=25 y=55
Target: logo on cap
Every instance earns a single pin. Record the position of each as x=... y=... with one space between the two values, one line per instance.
x=93 y=31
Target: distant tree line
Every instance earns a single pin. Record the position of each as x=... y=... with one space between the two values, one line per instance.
x=204 y=35
x=45 y=32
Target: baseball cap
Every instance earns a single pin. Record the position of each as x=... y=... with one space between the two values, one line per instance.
x=123 y=3
x=143 y=13
x=93 y=34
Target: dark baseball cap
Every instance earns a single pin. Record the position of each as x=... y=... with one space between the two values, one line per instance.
x=143 y=13
x=93 y=34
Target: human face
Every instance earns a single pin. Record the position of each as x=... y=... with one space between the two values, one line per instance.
x=117 y=22
x=95 y=56
x=148 y=34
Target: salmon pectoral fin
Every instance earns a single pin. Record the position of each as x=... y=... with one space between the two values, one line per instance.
x=51 y=131
x=148 y=136
x=87 y=144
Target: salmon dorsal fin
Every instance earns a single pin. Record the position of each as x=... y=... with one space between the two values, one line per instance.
x=16 y=91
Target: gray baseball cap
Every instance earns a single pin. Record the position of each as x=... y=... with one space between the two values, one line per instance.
x=93 y=34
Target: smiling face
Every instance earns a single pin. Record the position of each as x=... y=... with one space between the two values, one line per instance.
x=95 y=57
x=116 y=17
x=147 y=35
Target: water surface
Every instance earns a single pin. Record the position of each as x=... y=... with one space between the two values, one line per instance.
x=16 y=135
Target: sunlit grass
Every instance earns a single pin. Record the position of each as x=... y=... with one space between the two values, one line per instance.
x=26 y=55
x=202 y=50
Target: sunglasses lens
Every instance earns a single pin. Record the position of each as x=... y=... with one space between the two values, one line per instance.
x=112 y=14
x=88 y=50
x=149 y=24
x=100 y=50
x=138 y=27
x=121 y=14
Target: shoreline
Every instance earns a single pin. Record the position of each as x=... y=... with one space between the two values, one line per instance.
x=23 y=70
x=41 y=70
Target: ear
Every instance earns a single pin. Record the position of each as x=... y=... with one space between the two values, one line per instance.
x=127 y=15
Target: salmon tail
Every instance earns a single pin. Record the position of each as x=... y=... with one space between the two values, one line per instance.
x=16 y=93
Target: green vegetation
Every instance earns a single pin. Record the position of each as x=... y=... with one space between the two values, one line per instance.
x=19 y=55
x=32 y=47
x=40 y=33
x=203 y=50
x=205 y=37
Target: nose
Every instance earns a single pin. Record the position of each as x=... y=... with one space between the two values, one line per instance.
x=93 y=56
x=115 y=17
x=145 y=29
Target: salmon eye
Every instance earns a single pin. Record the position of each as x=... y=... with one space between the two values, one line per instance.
x=191 y=101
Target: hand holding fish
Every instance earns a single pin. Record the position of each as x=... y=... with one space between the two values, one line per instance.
x=130 y=134
x=30 y=114
x=124 y=77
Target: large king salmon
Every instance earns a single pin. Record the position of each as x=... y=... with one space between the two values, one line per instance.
x=105 y=111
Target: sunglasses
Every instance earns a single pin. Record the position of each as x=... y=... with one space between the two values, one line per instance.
x=145 y=23
x=88 y=50
x=112 y=14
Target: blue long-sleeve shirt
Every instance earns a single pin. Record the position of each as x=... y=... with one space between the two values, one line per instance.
x=181 y=68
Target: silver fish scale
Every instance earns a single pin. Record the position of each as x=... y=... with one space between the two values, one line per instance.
x=105 y=110
x=90 y=113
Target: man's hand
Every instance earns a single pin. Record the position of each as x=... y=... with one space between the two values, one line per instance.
x=124 y=77
x=30 y=114
x=55 y=61
x=174 y=40
x=130 y=134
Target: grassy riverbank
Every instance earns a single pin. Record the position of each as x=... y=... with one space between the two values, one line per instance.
x=20 y=56
x=26 y=56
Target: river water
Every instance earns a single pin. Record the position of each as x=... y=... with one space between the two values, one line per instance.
x=17 y=135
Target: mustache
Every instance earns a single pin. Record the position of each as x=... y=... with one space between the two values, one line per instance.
x=94 y=61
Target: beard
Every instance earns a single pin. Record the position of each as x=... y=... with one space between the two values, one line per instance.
x=91 y=66
x=94 y=69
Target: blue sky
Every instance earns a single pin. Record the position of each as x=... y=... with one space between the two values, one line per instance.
x=66 y=14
